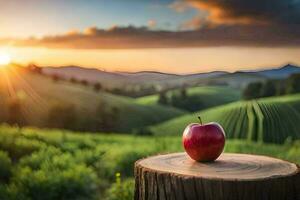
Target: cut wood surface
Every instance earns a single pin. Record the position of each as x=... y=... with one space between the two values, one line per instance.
x=232 y=176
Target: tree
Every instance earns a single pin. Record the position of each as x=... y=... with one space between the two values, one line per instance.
x=62 y=116
x=97 y=87
x=293 y=84
x=84 y=82
x=34 y=68
x=107 y=117
x=56 y=77
x=252 y=91
x=15 y=115
x=73 y=80
x=163 y=99
x=183 y=101
x=183 y=93
x=268 y=89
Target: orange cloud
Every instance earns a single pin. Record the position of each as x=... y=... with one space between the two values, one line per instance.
x=219 y=14
x=142 y=37
x=247 y=12
x=180 y=6
x=152 y=23
x=192 y=24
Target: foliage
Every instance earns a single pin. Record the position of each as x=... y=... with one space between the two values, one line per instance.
x=253 y=90
x=269 y=88
x=5 y=166
x=194 y=98
x=143 y=131
x=293 y=84
x=62 y=116
x=56 y=164
x=183 y=101
x=163 y=99
x=97 y=87
x=15 y=112
x=121 y=189
x=50 y=182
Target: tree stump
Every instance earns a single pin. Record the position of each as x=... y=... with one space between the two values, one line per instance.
x=231 y=177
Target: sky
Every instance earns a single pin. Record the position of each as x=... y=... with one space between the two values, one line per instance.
x=179 y=36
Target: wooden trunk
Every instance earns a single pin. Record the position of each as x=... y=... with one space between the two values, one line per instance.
x=231 y=177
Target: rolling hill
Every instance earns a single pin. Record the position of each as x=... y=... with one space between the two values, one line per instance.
x=38 y=93
x=271 y=120
x=208 y=96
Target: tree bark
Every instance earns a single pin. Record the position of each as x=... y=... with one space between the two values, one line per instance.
x=231 y=177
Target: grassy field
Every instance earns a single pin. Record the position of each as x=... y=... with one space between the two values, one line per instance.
x=266 y=120
x=54 y=164
x=209 y=95
x=38 y=93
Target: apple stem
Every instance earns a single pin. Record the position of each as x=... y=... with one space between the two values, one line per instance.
x=200 y=120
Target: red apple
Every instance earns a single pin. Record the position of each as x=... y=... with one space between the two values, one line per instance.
x=204 y=142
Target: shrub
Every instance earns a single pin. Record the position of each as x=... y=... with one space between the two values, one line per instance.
x=124 y=161
x=144 y=131
x=121 y=190
x=76 y=182
x=62 y=116
x=5 y=166
x=18 y=147
x=36 y=159
x=4 y=193
x=97 y=87
x=15 y=112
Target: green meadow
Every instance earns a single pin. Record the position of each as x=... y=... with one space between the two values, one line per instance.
x=56 y=164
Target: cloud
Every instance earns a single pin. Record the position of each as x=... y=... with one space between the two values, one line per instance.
x=141 y=37
x=272 y=12
x=91 y=31
x=152 y=23
x=192 y=24
x=180 y=6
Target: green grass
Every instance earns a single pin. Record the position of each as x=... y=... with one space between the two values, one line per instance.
x=210 y=95
x=37 y=163
x=266 y=120
x=38 y=93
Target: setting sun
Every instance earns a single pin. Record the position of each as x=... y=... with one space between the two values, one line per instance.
x=4 y=58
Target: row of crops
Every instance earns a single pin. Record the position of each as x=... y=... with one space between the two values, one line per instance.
x=261 y=121
x=273 y=120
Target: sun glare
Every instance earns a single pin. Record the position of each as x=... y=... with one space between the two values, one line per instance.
x=5 y=59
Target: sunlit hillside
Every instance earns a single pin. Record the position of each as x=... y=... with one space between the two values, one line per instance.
x=38 y=94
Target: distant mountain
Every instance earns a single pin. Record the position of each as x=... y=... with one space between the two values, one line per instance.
x=282 y=72
x=110 y=79
x=239 y=79
x=123 y=79
x=206 y=75
x=149 y=76
x=89 y=74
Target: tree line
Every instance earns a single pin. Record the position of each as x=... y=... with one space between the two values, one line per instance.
x=270 y=88
x=65 y=116
x=180 y=99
